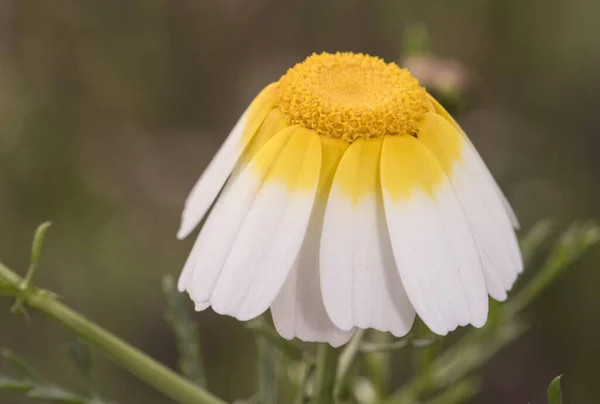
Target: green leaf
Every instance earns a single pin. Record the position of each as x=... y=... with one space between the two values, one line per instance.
x=535 y=238
x=35 y=387
x=554 y=392
x=156 y=375
x=36 y=250
x=81 y=356
x=38 y=243
x=267 y=371
x=21 y=366
x=572 y=244
x=368 y=347
x=10 y=384
x=98 y=400
x=55 y=394
x=186 y=333
x=290 y=348
x=7 y=289
x=470 y=353
x=458 y=393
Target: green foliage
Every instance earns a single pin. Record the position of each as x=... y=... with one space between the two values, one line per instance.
x=10 y=384
x=21 y=366
x=36 y=250
x=458 y=393
x=571 y=245
x=185 y=331
x=6 y=289
x=157 y=375
x=267 y=371
x=478 y=346
x=536 y=238
x=554 y=391
x=290 y=348
x=34 y=386
x=333 y=375
x=81 y=357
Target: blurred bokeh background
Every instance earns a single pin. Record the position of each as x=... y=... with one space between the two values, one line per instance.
x=109 y=111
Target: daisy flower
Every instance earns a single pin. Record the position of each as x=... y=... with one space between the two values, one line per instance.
x=346 y=197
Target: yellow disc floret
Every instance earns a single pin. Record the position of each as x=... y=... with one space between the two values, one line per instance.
x=351 y=96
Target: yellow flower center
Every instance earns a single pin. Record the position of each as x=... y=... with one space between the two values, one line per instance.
x=351 y=96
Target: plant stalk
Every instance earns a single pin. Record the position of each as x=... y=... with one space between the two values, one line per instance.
x=122 y=354
x=327 y=363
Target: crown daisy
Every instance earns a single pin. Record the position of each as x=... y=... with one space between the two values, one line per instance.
x=349 y=198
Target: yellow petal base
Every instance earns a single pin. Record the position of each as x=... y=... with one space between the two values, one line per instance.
x=372 y=113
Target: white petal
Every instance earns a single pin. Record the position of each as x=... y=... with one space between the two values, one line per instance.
x=438 y=268
x=298 y=310
x=507 y=207
x=477 y=193
x=188 y=268
x=434 y=249
x=496 y=287
x=512 y=216
x=217 y=235
x=219 y=213
x=360 y=282
x=359 y=279
x=271 y=235
x=485 y=172
x=491 y=226
x=200 y=306
x=263 y=253
x=212 y=179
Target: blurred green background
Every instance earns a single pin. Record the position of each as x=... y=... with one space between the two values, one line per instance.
x=109 y=111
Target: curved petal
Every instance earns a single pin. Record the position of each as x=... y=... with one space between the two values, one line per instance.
x=218 y=233
x=441 y=111
x=213 y=178
x=479 y=199
x=359 y=279
x=271 y=235
x=434 y=249
x=200 y=306
x=298 y=310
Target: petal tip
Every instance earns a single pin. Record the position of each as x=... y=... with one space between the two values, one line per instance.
x=442 y=331
x=479 y=323
x=499 y=296
x=201 y=306
x=245 y=315
x=183 y=232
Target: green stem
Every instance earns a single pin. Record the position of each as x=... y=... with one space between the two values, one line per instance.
x=458 y=393
x=469 y=354
x=145 y=368
x=290 y=348
x=347 y=359
x=303 y=396
x=267 y=372
x=327 y=358
x=377 y=359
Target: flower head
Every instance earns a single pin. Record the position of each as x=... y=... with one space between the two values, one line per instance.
x=349 y=198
